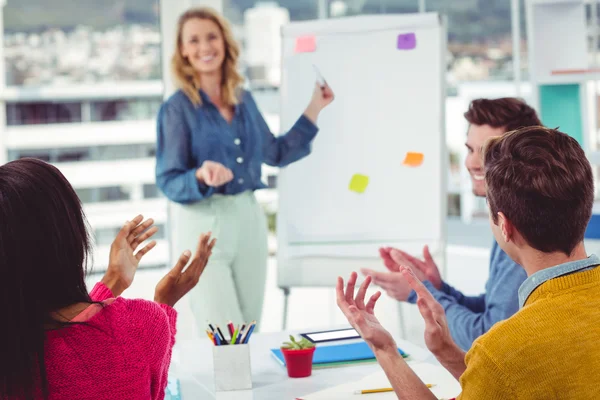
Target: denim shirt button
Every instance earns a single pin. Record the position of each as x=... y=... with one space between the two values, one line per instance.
x=237 y=141
x=240 y=160
x=241 y=181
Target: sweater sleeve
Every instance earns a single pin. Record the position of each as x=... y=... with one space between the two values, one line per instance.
x=154 y=329
x=100 y=292
x=473 y=303
x=280 y=151
x=484 y=378
x=470 y=317
x=467 y=325
x=175 y=169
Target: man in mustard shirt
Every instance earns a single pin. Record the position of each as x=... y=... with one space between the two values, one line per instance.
x=540 y=192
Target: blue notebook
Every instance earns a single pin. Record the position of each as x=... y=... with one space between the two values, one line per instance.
x=340 y=354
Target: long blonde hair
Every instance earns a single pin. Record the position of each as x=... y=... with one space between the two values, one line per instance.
x=187 y=79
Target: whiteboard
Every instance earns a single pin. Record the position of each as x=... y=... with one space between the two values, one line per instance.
x=388 y=102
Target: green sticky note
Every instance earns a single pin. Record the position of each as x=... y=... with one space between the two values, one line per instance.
x=358 y=183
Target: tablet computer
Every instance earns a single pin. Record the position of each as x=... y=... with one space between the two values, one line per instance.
x=330 y=336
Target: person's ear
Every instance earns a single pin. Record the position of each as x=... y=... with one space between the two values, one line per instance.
x=506 y=227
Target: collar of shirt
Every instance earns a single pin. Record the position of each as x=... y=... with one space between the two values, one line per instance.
x=207 y=100
x=535 y=280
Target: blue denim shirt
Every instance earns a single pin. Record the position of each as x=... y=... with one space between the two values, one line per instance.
x=471 y=316
x=540 y=277
x=188 y=135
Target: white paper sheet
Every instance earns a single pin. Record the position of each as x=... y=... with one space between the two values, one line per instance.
x=446 y=386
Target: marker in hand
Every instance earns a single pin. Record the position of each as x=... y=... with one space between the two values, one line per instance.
x=322 y=96
x=320 y=79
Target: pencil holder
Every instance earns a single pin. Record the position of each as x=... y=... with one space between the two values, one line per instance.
x=232 y=367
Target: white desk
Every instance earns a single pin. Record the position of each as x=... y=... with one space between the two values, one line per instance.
x=192 y=364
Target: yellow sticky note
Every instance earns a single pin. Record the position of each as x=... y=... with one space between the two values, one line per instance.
x=413 y=159
x=358 y=183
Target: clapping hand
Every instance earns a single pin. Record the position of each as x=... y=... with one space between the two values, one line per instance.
x=122 y=262
x=360 y=315
x=178 y=282
x=437 y=333
x=425 y=269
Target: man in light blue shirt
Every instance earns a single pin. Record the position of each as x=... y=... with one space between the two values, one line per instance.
x=468 y=316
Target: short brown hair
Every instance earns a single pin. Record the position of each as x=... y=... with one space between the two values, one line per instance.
x=509 y=113
x=542 y=181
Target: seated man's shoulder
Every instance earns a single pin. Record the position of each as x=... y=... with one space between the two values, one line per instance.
x=509 y=339
x=529 y=332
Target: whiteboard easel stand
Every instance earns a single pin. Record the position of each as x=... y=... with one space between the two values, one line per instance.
x=442 y=242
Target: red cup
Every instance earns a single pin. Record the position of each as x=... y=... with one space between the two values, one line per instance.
x=298 y=362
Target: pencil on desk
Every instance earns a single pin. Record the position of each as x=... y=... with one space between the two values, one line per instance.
x=382 y=390
x=240 y=335
x=243 y=338
x=211 y=337
x=234 y=336
x=212 y=328
x=249 y=332
x=221 y=336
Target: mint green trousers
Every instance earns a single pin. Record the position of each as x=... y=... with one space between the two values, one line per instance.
x=232 y=286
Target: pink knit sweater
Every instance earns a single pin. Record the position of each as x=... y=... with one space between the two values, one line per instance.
x=122 y=352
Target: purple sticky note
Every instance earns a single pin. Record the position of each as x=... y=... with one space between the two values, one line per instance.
x=407 y=41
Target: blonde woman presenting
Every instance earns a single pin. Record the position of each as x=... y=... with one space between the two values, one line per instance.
x=212 y=141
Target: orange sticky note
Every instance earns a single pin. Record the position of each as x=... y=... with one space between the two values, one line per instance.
x=306 y=44
x=413 y=159
x=358 y=183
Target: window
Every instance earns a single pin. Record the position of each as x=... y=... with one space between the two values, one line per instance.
x=44 y=155
x=105 y=236
x=479 y=32
x=92 y=153
x=453 y=205
x=343 y=8
x=42 y=113
x=86 y=195
x=103 y=194
x=257 y=27
x=94 y=41
x=124 y=110
x=479 y=38
x=83 y=63
x=123 y=152
x=113 y=193
x=151 y=191
x=72 y=155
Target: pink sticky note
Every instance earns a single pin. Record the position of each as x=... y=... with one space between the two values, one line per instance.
x=306 y=44
x=407 y=41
